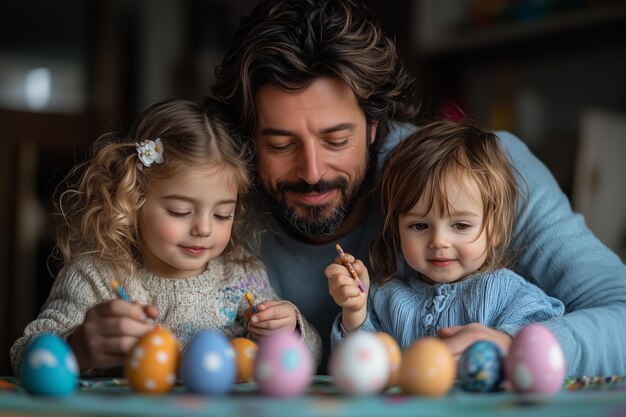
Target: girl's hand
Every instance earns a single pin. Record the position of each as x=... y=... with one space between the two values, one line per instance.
x=345 y=290
x=109 y=332
x=271 y=316
x=459 y=338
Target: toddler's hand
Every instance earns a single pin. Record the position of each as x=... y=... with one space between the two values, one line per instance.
x=344 y=288
x=271 y=316
x=109 y=332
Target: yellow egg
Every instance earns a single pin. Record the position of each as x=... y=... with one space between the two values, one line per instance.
x=245 y=352
x=151 y=365
x=428 y=368
x=395 y=358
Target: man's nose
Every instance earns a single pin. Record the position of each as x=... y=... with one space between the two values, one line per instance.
x=310 y=162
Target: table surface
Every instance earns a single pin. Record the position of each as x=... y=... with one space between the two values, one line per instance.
x=113 y=397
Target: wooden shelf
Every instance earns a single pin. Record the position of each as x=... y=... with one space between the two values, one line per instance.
x=583 y=19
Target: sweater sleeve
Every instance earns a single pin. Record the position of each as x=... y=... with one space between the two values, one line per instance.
x=308 y=334
x=518 y=302
x=558 y=253
x=72 y=294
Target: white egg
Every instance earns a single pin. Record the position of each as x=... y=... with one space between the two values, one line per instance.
x=360 y=364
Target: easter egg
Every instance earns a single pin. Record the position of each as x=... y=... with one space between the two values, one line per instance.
x=208 y=364
x=151 y=364
x=283 y=366
x=394 y=354
x=49 y=367
x=481 y=367
x=535 y=363
x=359 y=364
x=245 y=352
x=428 y=368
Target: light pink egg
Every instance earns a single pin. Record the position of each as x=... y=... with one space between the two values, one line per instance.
x=535 y=362
x=283 y=366
x=360 y=364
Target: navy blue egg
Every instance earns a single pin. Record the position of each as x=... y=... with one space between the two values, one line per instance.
x=480 y=368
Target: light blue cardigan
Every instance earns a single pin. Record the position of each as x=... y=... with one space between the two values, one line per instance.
x=409 y=309
x=558 y=254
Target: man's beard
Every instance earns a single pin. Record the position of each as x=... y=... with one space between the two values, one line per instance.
x=314 y=222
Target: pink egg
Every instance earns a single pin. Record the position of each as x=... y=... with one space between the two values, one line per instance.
x=360 y=364
x=283 y=366
x=535 y=363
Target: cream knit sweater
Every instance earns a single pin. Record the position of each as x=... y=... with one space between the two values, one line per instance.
x=212 y=300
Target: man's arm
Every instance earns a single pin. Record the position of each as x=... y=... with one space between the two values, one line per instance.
x=557 y=252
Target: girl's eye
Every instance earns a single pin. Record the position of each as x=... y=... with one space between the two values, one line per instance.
x=419 y=226
x=178 y=214
x=223 y=218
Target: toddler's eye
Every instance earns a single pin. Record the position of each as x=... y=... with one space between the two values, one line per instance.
x=462 y=226
x=419 y=226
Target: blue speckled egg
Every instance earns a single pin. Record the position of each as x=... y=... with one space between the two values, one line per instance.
x=208 y=364
x=49 y=367
x=480 y=368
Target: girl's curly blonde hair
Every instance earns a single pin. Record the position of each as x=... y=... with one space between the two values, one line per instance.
x=99 y=203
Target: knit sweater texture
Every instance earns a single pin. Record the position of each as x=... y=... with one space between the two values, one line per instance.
x=214 y=299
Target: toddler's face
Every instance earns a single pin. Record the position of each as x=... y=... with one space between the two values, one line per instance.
x=445 y=247
x=187 y=221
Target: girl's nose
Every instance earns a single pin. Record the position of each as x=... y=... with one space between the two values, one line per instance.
x=201 y=226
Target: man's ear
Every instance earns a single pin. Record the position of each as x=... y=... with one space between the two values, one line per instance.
x=373 y=127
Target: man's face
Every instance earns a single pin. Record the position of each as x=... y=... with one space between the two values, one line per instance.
x=312 y=153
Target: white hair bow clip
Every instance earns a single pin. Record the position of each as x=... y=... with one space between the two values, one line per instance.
x=150 y=151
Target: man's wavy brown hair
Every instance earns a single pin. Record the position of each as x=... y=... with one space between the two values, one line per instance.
x=290 y=43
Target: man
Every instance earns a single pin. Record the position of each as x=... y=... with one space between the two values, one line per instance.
x=320 y=94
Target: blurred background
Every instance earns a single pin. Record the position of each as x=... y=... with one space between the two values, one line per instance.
x=551 y=71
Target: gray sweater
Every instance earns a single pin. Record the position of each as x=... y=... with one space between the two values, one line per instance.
x=212 y=300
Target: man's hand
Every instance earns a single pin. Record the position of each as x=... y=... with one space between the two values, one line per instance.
x=459 y=338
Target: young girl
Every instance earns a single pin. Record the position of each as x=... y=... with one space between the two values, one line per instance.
x=156 y=211
x=448 y=198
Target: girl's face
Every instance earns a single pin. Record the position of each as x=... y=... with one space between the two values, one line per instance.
x=187 y=221
x=446 y=247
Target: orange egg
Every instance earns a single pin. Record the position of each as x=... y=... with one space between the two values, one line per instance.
x=395 y=358
x=245 y=352
x=151 y=365
x=428 y=368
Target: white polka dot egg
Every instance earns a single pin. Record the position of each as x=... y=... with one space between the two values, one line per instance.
x=208 y=364
x=283 y=366
x=535 y=363
x=151 y=365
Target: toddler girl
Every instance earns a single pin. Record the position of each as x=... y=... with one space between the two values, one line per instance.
x=448 y=196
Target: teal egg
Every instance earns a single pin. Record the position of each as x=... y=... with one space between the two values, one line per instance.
x=49 y=367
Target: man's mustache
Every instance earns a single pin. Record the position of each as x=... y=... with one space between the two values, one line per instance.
x=304 y=187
